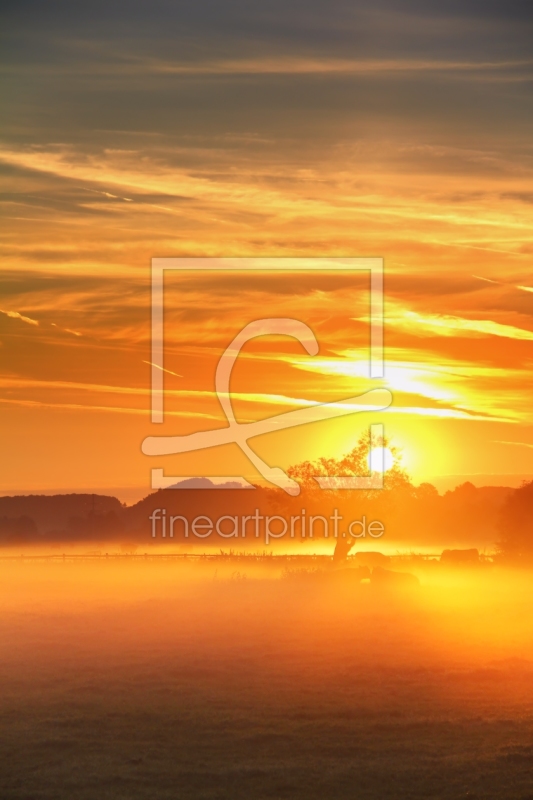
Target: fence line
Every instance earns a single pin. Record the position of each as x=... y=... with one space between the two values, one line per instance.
x=249 y=557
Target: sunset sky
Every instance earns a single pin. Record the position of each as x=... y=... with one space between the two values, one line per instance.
x=246 y=130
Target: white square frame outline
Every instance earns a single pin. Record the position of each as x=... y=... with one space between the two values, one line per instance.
x=261 y=264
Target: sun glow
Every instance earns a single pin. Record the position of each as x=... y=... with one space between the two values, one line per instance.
x=380 y=459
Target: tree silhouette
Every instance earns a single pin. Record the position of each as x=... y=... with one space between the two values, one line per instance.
x=515 y=524
x=353 y=463
x=396 y=482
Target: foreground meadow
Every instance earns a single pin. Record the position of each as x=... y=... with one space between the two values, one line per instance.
x=147 y=680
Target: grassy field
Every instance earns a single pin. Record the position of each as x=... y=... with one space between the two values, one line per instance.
x=156 y=681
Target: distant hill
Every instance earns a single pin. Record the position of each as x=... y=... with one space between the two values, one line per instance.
x=207 y=483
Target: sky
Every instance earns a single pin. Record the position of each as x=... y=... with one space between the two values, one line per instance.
x=248 y=130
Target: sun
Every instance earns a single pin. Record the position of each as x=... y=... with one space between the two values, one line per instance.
x=380 y=459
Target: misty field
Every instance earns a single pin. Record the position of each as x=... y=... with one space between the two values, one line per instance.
x=144 y=680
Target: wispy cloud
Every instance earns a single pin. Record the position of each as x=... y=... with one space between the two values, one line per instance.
x=67 y=330
x=24 y=403
x=437 y=412
x=107 y=194
x=504 y=283
x=487 y=280
x=163 y=369
x=315 y=66
x=17 y=315
x=444 y=413
x=455 y=389
x=264 y=398
x=517 y=444
x=447 y=325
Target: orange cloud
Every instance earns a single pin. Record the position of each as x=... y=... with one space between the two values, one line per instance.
x=17 y=315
